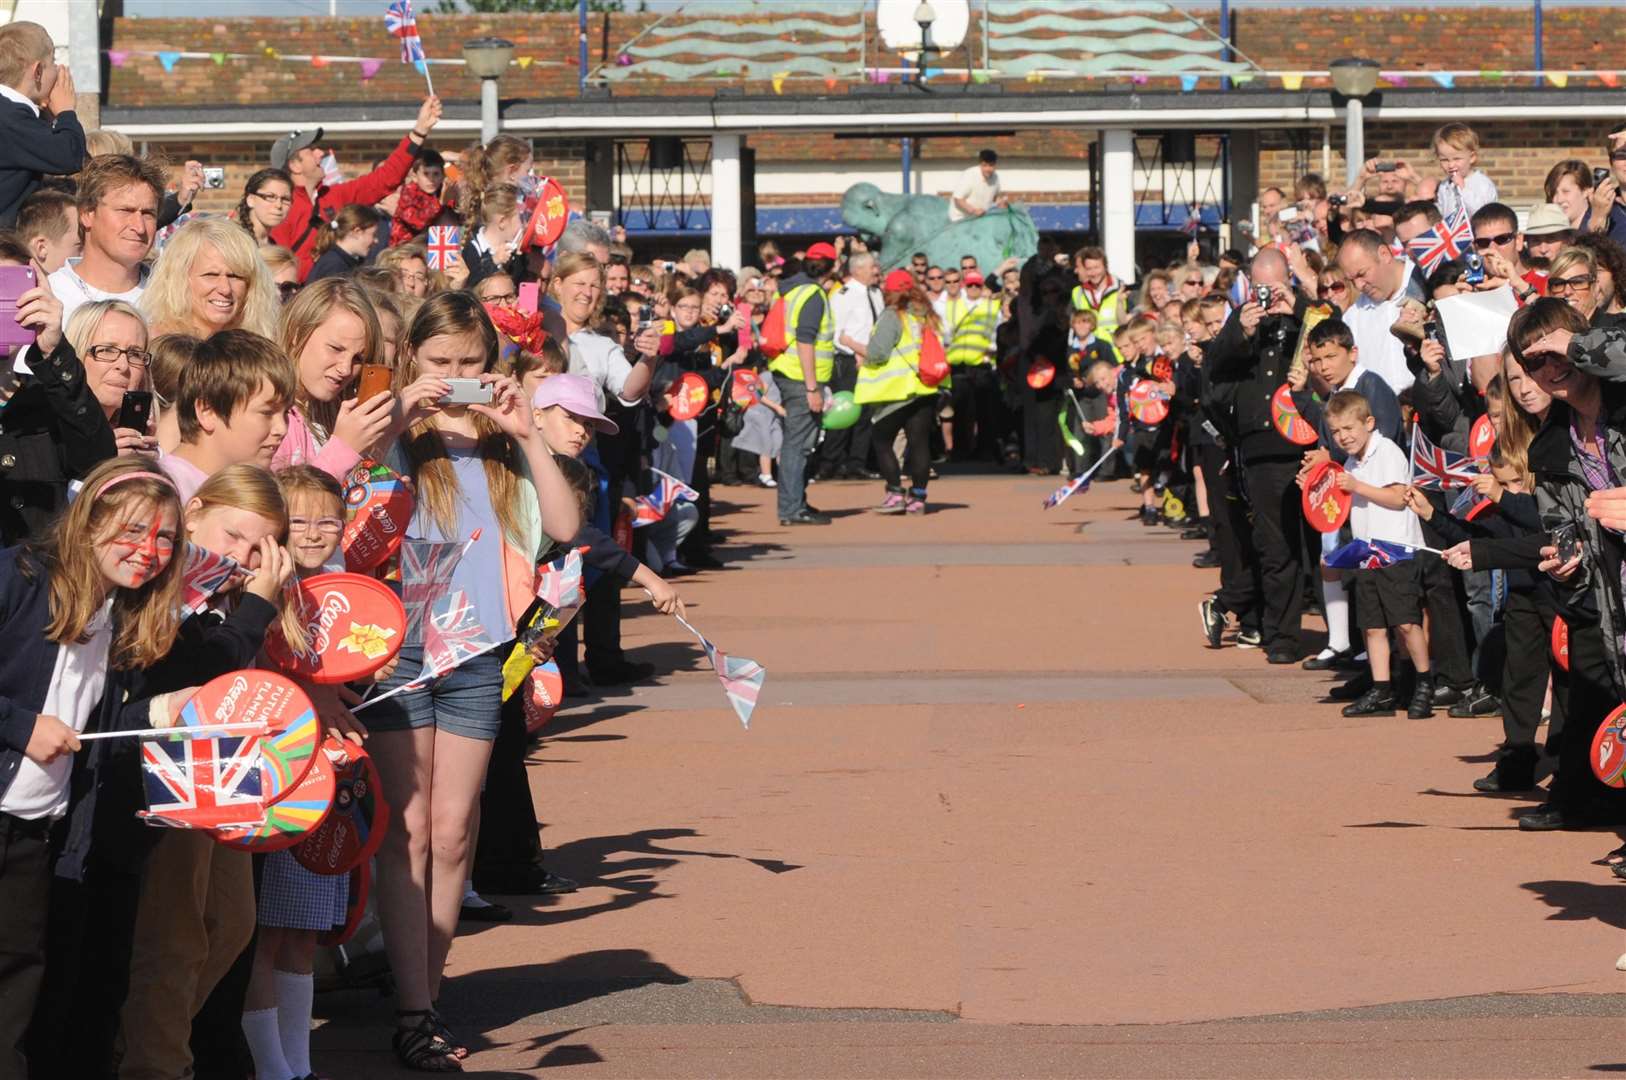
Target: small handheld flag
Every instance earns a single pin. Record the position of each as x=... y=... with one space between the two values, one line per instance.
x=667 y=493
x=204 y=575
x=1369 y=555
x=399 y=21
x=443 y=246
x=1432 y=467
x=1447 y=240
x=742 y=679
x=1073 y=487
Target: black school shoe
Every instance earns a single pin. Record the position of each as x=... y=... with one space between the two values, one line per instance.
x=1478 y=702
x=1374 y=702
x=1206 y=560
x=1509 y=775
x=1353 y=689
x=1328 y=663
x=1422 y=698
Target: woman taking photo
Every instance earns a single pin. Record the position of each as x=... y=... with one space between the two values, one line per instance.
x=266 y=199
x=481 y=472
x=1578 y=458
x=889 y=380
x=211 y=278
x=111 y=337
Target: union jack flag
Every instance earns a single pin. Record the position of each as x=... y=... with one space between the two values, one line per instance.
x=668 y=492
x=1367 y=555
x=1066 y=491
x=559 y=583
x=426 y=574
x=400 y=21
x=203 y=783
x=204 y=574
x=452 y=634
x=1447 y=240
x=444 y=246
x=742 y=679
x=1432 y=467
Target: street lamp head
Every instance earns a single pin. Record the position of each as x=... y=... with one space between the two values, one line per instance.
x=488 y=57
x=1354 y=77
x=925 y=14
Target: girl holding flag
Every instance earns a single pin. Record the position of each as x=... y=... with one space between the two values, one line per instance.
x=486 y=481
x=94 y=599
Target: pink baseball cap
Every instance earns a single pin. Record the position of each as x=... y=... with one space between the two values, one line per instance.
x=576 y=395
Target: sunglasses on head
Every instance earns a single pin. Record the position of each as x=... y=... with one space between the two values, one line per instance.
x=1483 y=243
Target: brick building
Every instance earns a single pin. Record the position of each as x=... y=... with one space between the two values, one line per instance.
x=1064 y=141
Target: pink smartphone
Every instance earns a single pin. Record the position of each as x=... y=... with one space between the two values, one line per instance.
x=14 y=281
x=529 y=297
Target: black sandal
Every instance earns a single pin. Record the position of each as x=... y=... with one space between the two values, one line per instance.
x=421 y=1047
x=454 y=1046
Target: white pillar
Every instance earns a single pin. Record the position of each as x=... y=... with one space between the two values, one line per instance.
x=488 y=110
x=727 y=229
x=1115 y=203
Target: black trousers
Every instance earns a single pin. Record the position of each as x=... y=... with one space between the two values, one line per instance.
x=975 y=397
x=848 y=448
x=1447 y=630
x=25 y=890
x=1577 y=792
x=914 y=419
x=601 y=624
x=1041 y=435
x=1527 y=622
x=1233 y=536
x=90 y=937
x=1277 y=518
x=509 y=846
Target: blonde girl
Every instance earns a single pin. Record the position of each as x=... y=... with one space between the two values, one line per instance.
x=506 y=159
x=477 y=469
x=209 y=278
x=329 y=331
x=86 y=606
x=492 y=246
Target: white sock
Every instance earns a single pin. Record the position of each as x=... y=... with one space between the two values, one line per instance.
x=264 y=1042
x=294 y=993
x=1335 y=600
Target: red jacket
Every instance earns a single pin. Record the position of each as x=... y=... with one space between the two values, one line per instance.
x=298 y=230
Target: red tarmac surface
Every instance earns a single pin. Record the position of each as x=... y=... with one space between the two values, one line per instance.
x=997 y=780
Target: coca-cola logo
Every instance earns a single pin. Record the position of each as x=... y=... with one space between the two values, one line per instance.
x=385 y=522
x=319 y=626
x=228 y=704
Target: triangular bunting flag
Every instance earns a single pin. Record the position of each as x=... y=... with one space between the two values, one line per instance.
x=1292 y=81
x=831 y=83
x=1242 y=80
x=320 y=61
x=1609 y=78
x=524 y=61
x=168 y=59
x=778 y=80
x=117 y=57
x=218 y=57
x=369 y=68
x=1445 y=79
x=1558 y=79
x=1188 y=83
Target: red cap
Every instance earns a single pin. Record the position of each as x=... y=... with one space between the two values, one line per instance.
x=971 y=277
x=898 y=281
x=821 y=250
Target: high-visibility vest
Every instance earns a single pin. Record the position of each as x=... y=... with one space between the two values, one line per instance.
x=896 y=378
x=789 y=362
x=1105 y=308
x=970 y=326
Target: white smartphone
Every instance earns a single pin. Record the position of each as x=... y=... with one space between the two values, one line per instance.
x=467 y=392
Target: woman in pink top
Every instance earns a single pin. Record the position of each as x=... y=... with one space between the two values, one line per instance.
x=329 y=331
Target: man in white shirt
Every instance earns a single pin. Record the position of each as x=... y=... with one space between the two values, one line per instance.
x=854 y=308
x=1384 y=282
x=118 y=215
x=951 y=292
x=978 y=189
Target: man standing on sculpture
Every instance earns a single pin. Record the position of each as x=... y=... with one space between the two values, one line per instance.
x=978 y=190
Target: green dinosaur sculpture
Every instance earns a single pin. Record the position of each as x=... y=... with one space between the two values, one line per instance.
x=904 y=224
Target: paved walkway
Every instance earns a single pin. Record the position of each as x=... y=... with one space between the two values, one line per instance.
x=996 y=781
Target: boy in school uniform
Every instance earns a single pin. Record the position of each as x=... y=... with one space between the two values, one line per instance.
x=1377 y=472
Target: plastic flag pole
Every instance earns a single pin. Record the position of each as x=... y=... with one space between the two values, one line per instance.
x=180 y=731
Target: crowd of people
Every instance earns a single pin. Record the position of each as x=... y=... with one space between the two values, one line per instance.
x=198 y=381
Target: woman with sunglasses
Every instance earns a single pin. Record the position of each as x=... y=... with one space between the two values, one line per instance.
x=1609 y=265
x=1578 y=458
x=266 y=199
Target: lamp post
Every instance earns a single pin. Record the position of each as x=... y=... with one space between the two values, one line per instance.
x=488 y=58
x=1354 y=78
x=925 y=15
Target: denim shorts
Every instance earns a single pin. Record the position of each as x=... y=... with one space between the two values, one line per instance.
x=465 y=701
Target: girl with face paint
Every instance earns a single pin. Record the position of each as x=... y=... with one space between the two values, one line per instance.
x=84 y=606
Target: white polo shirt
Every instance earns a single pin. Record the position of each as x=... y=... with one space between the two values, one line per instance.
x=1380 y=465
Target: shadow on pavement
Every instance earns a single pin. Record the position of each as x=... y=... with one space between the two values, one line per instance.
x=1581 y=900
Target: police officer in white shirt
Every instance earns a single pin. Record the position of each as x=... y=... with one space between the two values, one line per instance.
x=854 y=308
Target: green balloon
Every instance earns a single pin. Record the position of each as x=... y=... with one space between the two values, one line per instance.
x=841 y=412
